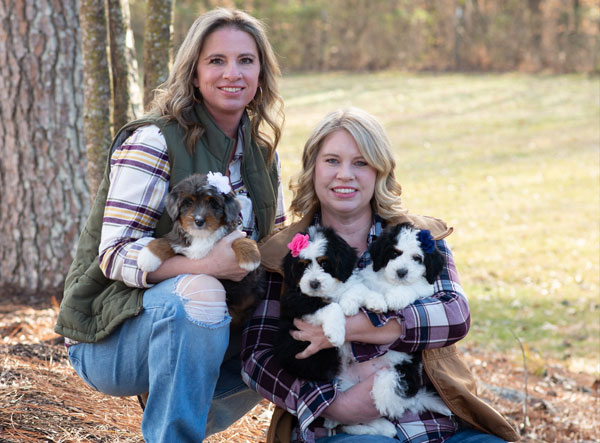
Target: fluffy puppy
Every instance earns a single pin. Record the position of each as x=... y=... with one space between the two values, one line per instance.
x=406 y=263
x=204 y=209
x=315 y=270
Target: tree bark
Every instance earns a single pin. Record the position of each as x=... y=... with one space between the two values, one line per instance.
x=97 y=98
x=157 y=45
x=127 y=101
x=43 y=191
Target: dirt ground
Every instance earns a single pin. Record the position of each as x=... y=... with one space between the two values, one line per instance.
x=42 y=399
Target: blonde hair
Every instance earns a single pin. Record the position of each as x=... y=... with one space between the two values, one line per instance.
x=176 y=97
x=374 y=146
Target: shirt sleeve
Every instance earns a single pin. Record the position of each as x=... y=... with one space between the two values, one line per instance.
x=280 y=215
x=431 y=322
x=261 y=370
x=139 y=182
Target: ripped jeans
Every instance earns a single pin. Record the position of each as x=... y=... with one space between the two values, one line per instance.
x=178 y=349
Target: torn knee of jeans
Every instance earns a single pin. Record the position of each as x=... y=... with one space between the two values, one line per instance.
x=203 y=299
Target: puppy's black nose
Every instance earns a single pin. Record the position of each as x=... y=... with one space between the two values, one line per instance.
x=199 y=222
x=401 y=273
x=314 y=284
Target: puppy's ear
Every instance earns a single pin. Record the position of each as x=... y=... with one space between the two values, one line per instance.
x=434 y=263
x=289 y=278
x=172 y=204
x=232 y=208
x=346 y=256
x=378 y=248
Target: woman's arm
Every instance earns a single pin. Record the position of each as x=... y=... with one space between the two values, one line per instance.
x=432 y=322
x=140 y=174
x=220 y=262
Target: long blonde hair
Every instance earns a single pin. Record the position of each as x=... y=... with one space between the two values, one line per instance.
x=373 y=145
x=176 y=97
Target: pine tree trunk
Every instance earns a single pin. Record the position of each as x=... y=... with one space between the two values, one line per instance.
x=127 y=101
x=97 y=98
x=157 y=45
x=44 y=195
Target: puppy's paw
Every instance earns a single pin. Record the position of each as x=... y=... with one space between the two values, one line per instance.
x=375 y=302
x=154 y=254
x=147 y=261
x=247 y=253
x=349 y=306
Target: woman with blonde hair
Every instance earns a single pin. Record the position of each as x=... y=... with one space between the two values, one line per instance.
x=167 y=332
x=347 y=183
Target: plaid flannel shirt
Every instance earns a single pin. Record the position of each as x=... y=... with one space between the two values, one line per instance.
x=432 y=322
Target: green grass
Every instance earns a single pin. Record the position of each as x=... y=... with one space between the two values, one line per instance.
x=512 y=162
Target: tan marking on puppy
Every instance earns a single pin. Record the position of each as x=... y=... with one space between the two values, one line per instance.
x=247 y=253
x=212 y=223
x=161 y=248
x=188 y=222
x=239 y=311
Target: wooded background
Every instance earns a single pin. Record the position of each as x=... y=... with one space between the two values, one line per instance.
x=69 y=78
x=437 y=35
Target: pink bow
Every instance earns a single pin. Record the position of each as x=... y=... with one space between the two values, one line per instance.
x=298 y=243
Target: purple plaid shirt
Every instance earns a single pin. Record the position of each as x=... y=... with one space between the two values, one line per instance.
x=433 y=322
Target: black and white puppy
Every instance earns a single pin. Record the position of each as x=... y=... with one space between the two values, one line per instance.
x=406 y=263
x=204 y=209
x=315 y=271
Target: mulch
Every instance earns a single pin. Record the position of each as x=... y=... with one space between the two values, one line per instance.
x=42 y=399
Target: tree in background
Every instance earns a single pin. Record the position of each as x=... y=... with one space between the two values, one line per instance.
x=111 y=93
x=55 y=84
x=44 y=196
x=97 y=94
x=127 y=100
x=157 y=45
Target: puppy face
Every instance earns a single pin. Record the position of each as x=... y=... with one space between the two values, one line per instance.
x=322 y=266
x=201 y=209
x=398 y=256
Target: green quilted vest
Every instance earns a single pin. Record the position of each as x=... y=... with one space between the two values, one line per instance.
x=93 y=306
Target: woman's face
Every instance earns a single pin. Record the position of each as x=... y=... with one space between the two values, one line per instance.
x=227 y=72
x=344 y=181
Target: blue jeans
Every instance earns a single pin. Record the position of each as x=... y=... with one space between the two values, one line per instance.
x=466 y=436
x=178 y=361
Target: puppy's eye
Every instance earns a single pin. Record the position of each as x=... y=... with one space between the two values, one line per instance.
x=303 y=262
x=213 y=203
x=396 y=253
x=186 y=202
x=417 y=258
x=322 y=261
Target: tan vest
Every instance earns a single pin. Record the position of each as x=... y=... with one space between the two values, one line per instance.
x=449 y=374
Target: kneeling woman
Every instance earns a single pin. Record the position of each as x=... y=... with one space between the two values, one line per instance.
x=347 y=183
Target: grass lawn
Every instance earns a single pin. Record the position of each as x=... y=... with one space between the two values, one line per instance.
x=512 y=162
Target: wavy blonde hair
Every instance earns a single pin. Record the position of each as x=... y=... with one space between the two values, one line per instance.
x=176 y=97
x=374 y=146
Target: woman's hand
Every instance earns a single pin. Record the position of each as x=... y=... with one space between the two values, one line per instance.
x=309 y=332
x=355 y=405
x=221 y=261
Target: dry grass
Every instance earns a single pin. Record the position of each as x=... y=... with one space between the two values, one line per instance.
x=42 y=399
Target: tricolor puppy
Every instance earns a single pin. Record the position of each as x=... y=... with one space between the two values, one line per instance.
x=315 y=271
x=406 y=263
x=204 y=209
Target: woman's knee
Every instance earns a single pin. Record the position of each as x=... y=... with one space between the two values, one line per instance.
x=203 y=298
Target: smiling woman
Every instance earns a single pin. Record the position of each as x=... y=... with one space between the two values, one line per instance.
x=227 y=75
x=344 y=181
x=131 y=331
